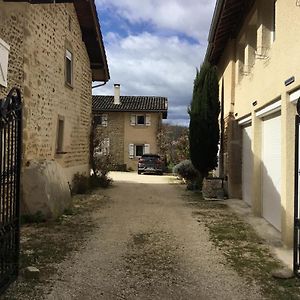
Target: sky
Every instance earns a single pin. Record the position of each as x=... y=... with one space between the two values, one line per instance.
x=153 y=48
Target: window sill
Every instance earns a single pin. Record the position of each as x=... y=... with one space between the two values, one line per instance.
x=69 y=85
x=60 y=152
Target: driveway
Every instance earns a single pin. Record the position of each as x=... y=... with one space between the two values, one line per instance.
x=148 y=246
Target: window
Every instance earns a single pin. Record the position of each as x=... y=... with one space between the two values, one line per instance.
x=102 y=148
x=273 y=29
x=4 y=53
x=69 y=68
x=101 y=120
x=60 y=135
x=140 y=120
x=138 y=150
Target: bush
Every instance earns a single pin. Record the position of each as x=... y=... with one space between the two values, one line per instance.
x=80 y=184
x=186 y=170
x=100 y=181
x=38 y=217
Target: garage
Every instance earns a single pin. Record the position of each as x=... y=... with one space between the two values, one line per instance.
x=247 y=165
x=271 y=169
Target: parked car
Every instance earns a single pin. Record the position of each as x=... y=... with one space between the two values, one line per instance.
x=150 y=163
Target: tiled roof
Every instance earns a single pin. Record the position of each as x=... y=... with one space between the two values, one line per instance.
x=131 y=104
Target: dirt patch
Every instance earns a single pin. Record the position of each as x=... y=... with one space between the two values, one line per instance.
x=150 y=257
x=246 y=252
x=45 y=245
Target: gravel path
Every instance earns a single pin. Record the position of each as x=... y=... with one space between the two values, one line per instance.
x=148 y=246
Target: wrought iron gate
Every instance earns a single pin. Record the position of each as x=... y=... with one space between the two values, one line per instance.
x=10 y=164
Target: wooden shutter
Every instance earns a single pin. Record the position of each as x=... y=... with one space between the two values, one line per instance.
x=132 y=120
x=4 y=53
x=148 y=120
x=146 y=148
x=131 y=150
x=104 y=119
x=106 y=146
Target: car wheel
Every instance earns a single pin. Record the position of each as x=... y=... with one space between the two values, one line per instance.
x=139 y=172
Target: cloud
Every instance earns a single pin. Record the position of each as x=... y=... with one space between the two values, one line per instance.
x=151 y=65
x=189 y=17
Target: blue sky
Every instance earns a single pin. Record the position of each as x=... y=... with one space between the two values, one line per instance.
x=153 y=48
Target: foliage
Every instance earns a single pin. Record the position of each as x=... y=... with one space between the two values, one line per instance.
x=173 y=143
x=204 y=125
x=100 y=161
x=38 y=217
x=186 y=170
x=80 y=184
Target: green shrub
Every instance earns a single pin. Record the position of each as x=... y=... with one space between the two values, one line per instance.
x=80 y=184
x=38 y=217
x=186 y=170
x=100 y=181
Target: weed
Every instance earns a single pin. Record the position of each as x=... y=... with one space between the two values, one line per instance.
x=246 y=252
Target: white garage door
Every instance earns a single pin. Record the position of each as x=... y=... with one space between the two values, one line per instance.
x=271 y=169
x=247 y=165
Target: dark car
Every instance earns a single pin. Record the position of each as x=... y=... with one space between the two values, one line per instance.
x=150 y=163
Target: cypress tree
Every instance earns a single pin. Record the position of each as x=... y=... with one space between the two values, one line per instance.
x=204 y=125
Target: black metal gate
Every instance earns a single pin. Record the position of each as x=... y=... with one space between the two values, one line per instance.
x=10 y=164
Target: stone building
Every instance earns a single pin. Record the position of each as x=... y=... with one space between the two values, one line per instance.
x=128 y=125
x=255 y=45
x=52 y=52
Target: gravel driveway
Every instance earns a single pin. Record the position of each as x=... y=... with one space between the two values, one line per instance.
x=148 y=246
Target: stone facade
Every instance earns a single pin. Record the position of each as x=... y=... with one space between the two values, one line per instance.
x=39 y=36
x=122 y=133
x=115 y=132
x=254 y=66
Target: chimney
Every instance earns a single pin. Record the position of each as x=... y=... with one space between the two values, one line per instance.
x=117 y=93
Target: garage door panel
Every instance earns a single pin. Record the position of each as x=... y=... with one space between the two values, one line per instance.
x=271 y=170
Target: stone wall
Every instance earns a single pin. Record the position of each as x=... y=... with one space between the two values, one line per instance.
x=38 y=36
x=11 y=31
x=115 y=132
x=46 y=96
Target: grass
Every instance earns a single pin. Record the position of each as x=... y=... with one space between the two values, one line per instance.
x=243 y=249
x=45 y=244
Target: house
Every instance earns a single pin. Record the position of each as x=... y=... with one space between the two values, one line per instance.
x=255 y=45
x=129 y=125
x=52 y=51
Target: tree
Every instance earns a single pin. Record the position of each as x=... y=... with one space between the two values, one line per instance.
x=204 y=124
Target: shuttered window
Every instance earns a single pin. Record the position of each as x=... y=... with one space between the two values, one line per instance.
x=4 y=53
x=137 y=150
x=140 y=120
x=69 y=67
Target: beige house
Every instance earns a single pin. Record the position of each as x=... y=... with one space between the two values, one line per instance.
x=52 y=52
x=128 y=126
x=256 y=45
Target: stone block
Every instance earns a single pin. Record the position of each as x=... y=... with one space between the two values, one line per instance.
x=45 y=189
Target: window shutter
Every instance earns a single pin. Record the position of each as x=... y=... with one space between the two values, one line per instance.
x=146 y=148
x=4 y=53
x=132 y=120
x=104 y=120
x=131 y=150
x=148 y=120
x=106 y=146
